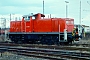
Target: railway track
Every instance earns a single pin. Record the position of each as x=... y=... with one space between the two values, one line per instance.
x=81 y=47
x=55 y=54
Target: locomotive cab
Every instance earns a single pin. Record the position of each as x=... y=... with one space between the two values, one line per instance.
x=33 y=16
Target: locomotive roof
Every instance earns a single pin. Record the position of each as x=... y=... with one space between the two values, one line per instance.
x=42 y=15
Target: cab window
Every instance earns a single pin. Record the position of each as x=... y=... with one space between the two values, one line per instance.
x=27 y=18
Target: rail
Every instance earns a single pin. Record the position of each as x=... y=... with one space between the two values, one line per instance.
x=80 y=47
x=58 y=54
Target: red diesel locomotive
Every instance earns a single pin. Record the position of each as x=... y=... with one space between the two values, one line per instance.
x=41 y=30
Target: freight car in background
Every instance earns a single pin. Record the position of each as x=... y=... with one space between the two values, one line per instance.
x=4 y=31
x=43 y=31
x=4 y=35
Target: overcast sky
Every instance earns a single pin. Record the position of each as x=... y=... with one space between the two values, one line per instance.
x=57 y=8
